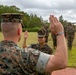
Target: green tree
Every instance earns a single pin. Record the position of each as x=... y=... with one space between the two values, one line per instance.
x=34 y=21
x=29 y=21
x=64 y=22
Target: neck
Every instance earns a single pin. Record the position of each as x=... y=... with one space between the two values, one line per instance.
x=15 y=40
x=42 y=44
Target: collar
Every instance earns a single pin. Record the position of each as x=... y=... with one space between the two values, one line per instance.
x=8 y=42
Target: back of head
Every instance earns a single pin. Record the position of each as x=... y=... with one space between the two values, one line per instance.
x=10 y=23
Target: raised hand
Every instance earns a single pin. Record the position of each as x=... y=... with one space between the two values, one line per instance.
x=55 y=26
x=25 y=34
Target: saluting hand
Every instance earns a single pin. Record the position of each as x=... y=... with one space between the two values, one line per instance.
x=25 y=34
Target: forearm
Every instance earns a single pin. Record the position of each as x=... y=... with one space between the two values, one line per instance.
x=24 y=43
x=61 y=51
x=59 y=59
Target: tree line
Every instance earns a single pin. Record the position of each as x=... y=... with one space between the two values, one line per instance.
x=31 y=21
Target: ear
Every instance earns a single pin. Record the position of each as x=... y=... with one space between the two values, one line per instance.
x=18 y=31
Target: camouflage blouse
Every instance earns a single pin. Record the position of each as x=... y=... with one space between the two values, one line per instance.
x=17 y=61
x=46 y=49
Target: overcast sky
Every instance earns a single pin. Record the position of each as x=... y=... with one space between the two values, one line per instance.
x=44 y=8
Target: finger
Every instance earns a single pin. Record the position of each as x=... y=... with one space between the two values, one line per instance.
x=52 y=19
x=53 y=31
x=53 y=22
x=25 y=34
x=56 y=19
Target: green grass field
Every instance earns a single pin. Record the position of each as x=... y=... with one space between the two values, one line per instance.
x=32 y=38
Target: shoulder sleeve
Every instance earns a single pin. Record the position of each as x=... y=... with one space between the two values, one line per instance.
x=31 y=56
x=37 y=60
x=42 y=61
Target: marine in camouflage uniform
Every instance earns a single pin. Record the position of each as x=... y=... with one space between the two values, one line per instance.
x=17 y=61
x=42 y=47
x=65 y=30
x=70 y=34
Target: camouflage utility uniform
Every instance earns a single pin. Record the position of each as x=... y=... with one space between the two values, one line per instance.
x=17 y=61
x=70 y=34
x=65 y=30
x=45 y=49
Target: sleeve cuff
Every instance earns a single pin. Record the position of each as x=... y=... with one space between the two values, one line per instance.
x=42 y=61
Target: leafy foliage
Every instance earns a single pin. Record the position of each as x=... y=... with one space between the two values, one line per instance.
x=64 y=22
x=29 y=21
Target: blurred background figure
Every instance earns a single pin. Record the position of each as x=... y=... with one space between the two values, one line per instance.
x=54 y=40
x=70 y=34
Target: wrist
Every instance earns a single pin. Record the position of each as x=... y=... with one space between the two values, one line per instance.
x=60 y=33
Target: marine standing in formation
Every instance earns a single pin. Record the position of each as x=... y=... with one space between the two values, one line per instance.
x=70 y=34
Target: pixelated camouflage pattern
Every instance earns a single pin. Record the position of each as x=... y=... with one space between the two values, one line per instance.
x=70 y=34
x=11 y=17
x=16 y=61
x=65 y=30
x=45 y=49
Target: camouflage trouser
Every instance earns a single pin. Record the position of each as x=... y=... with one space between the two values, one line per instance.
x=70 y=42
